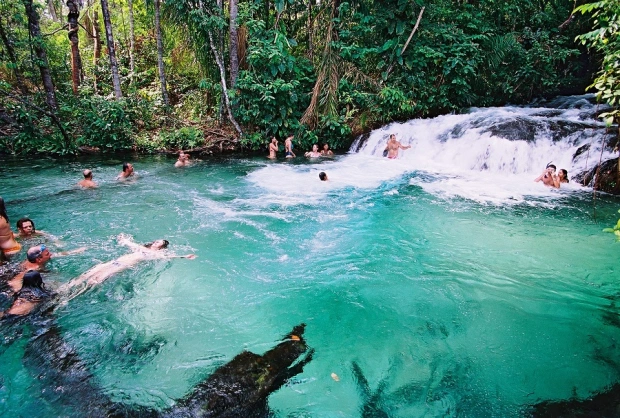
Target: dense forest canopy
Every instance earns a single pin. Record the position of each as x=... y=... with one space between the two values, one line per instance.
x=194 y=74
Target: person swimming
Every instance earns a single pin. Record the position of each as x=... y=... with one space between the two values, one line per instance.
x=140 y=253
x=8 y=245
x=323 y=176
x=562 y=177
x=29 y=296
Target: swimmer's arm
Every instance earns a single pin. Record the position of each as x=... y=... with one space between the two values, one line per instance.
x=126 y=240
x=556 y=182
x=71 y=252
x=188 y=256
x=405 y=146
x=539 y=178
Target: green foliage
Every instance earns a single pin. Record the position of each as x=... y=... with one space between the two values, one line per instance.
x=605 y=38
x=615 y=230
x=184 y=138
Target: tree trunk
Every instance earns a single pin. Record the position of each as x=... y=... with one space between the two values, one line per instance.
x=220 y=41
x=234 y=44
x=97 y=47
x=39 y=50
x=52 y=10
x=19 y=80
x=220 y=64
x=310 y=29
x=116 y=81
x=132 y=42
x=76 y=60
x=160 y=56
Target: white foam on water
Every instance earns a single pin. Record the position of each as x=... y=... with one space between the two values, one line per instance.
x=491 y=156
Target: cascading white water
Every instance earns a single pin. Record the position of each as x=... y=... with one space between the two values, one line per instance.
x=494 y=154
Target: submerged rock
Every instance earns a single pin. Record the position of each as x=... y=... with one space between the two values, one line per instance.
x=603 y=405
x=240 y=388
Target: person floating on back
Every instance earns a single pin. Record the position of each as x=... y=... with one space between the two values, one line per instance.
x=88 y=182
x=393 y=146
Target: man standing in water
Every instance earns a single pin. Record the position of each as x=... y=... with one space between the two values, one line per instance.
x=126 y=173
x=273 y=148
x=288 y=147
x=88 y=182
x=8 y=245
x=548 y=176
x=393 y=146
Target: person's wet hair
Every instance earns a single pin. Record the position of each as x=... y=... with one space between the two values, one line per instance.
x=323 y=176
x=565 y=174
x=32 y=278
x=550 y=165
x=89 y=174
x=20 y=223
x=125 y=167
x=3 y=210
x=150 y=244
x=35 y=252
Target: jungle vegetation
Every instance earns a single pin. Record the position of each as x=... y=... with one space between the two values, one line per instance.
x=152 y=75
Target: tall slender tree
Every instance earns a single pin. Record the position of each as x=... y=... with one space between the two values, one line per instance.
x=132 y=42
x=160 y=55
x=39 y=50
x=74 y=39
x=8 y=45
x=234 y=43
x=96 y=48
x=116 y=80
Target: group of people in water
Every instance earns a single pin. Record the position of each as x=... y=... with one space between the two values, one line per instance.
x=550 y=179
x=288 y=149
x=24 y=283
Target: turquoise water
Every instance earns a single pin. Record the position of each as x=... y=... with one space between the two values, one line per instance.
x=456 y=307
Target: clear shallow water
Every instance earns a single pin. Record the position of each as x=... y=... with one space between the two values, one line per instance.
x=457 y=306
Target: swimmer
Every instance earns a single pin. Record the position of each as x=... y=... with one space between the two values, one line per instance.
x=127 y=172
x=561 y=178
x=323 y=176
x=393 y=146
x=548 y=176
x=36 y=259
x=26 y=229
x=183 y=160
x=29 y=296
x=288 y=147
x=8 y=245
x=88 y=182
x=314 y=153
x=273 y=148
x=326 y=152
x=140 y=253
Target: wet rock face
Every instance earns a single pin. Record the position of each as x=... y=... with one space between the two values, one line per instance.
x=606 y=180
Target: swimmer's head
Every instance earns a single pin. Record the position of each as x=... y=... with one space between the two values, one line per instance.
x=550 y=165
x=88 y=174
x=38 y=254
x=160 y=244
x=26 y=225
x=563 y=174
x=315 y=148
x=127 y=168
x=323 y=176
x=32 y=278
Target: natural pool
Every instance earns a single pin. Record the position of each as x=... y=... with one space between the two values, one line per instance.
x=453 y=305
